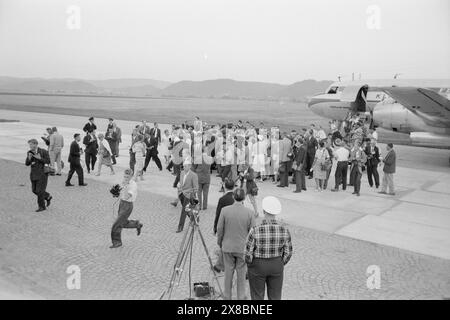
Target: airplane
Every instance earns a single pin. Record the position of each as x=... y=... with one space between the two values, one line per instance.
x=418 y=107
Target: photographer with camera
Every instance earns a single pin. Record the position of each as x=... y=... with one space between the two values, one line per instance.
x=187 y=190
x=127 y=193
x=39 y=160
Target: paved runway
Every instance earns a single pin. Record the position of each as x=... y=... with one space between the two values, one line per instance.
x=36 y=250
x=413 y=226
x=416 y=219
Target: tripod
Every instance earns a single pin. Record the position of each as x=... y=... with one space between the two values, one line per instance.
x=185 y=252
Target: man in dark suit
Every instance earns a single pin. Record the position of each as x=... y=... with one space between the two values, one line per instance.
x=90 y=126
x=110 y=124
x=299 y=166
x=156 y=132
x=226 y=200
x=152 y=152
x=74 y=160
x=373 y=159
x=311 y=146
x=90 y=152
x=37 y=158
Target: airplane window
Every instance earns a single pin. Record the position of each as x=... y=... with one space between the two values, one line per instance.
x=332 y=90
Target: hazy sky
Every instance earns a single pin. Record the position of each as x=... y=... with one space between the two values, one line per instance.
x=257 y=40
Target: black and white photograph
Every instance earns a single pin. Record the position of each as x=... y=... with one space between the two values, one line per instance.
x=230 y=150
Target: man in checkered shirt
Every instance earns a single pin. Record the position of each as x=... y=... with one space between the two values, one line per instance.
x=268 y=249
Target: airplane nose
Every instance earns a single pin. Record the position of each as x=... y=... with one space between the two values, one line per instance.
x=311 y=101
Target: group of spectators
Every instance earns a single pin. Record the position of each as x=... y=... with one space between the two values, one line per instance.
x=242 y=154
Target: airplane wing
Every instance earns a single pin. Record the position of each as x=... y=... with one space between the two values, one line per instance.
x=429 y=105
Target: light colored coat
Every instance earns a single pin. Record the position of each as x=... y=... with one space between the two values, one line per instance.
x=188 y=186
x=56 y=142
x=234 y=224
x=285 y=148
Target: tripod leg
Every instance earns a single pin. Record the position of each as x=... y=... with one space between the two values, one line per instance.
x=180 y=258
x=209 y=259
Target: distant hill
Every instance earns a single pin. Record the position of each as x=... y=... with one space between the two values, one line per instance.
x=51 y=85
x=127 y=83
x=304 y=89
x=227 y=88
x=218 y=88
x=223 y=88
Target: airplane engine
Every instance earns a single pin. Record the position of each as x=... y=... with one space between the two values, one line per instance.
x=429 y=139
x=391 y=116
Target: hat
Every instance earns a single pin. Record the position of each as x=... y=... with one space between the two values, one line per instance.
x=33 y=141
x=271 y=205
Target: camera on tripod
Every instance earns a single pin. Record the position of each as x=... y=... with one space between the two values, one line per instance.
x=192 y=209
x=115 y=190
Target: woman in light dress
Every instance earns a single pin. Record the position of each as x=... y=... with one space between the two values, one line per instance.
x=138 y=149
x=164 y=147
x=321 y=158
x=104 y=154
x=259 y=156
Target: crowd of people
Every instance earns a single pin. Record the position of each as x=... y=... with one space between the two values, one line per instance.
x=242 y=155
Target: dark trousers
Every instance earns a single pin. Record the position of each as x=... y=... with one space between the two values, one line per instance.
x=262 y=272
x=309 y=162
x=184 y=202
x=75 y=166
x=340 y=175
x=90 y=159
x=170 y=165
x=356 y=175
x=203 y=191
x=300 y=180
x=38 y=188
x=325 y=183
x=177 y=171
x=155 y=158
x=284 y=174
x=226 y=171
x=372 y=174
x=125 y=209
x=132 y=160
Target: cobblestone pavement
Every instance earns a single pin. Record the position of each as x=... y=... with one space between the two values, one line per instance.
x=37 y=248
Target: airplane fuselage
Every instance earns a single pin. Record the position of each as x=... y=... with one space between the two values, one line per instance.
x=342 y=97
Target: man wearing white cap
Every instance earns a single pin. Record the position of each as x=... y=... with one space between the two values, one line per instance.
x=268 y=249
